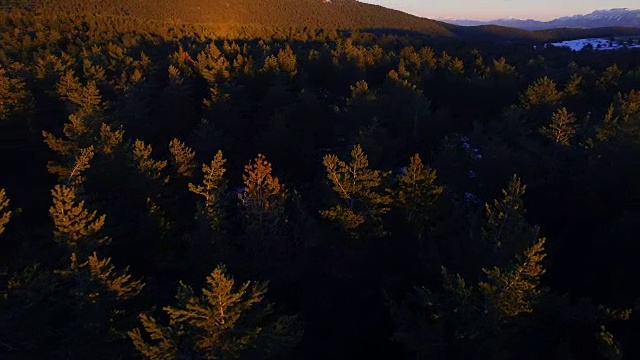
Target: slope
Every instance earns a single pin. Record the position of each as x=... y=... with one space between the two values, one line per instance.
x=335 y=14
x=310 y=14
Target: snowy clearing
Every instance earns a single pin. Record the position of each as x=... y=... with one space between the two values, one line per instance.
x=599 y=44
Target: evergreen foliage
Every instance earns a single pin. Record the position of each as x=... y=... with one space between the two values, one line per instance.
x=226 y=321
x=363 y=200
x=120 y=111
x=6 y=214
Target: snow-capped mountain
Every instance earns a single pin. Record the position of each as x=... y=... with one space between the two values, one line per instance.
x=598 y=18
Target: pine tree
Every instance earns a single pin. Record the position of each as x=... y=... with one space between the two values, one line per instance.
x=607 y=345
x=79 y=230
x=226 y=321
x=110 y=140
x=5 y=214
x=146 y=165
x=263 y=201
x=263 y=192
x=542 y=92
x=501 y=67
x=84 y=100
x=81 y=164
x=417 y=191
x=287 y=61
x=360 y=89
x=212 y=189
x=622 y=120
x=90 y=286
x=84 y=133
x=509 y=292
x=76 y=228
x=480 y=318
x=14 y=95
x=562 y=128
x=572 y=88
x=609 y=127
x=610 y=77
x=182 y=158
x=479 y=68
x=505 y=216
x=363 y=200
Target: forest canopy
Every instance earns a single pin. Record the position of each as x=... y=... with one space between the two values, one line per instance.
x=259 y=189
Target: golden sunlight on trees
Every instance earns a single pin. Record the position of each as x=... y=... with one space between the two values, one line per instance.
x=513 y=290
x=542 y=92
x=212 y=189
x=225 y=321
x=95 y=279
x=574 y=85
x=76 y=228
x=394 y=135
x=363 y=199
x=417 y=191
x=146 y=165
x=263 y=203
x=182 y=158
x=263 y=194
x=5 y=214
x=561 y=129
x=14 y=97
x=110 y=140
x=509 y=288
x=505 y=216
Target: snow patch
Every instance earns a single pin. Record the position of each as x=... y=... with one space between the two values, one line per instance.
x=597 y=44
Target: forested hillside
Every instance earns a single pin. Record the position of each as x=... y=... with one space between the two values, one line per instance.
x=176 y=190
x=314 y=14
x=252 y=17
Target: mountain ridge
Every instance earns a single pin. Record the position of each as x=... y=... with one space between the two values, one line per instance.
x=616 y=17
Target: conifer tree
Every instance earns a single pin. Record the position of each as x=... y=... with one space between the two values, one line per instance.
x=93 y=286
x=84 y=100
x=456 y=67
x=501 y=67
x=212 y=189
x=287 y=61
x=13 y=94
x=110 y=140
x=263 y=201
x=511 y=291
x=505 y=216
x=572 y=88
x=84 y=132
x=76 y=228
x=5 y=214
x=417 y=191
x=622 y=120
x=93 y=72
x=610 y=77
x=182 y=158
x=363 y=200
x=609 y=127
x=562 y=128
x=146 y=165
x=542 y=92
x=226 y=321
x=510 y=287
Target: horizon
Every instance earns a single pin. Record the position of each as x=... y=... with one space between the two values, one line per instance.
x=486 y=10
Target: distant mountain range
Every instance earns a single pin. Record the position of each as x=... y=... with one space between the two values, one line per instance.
x=600 y=18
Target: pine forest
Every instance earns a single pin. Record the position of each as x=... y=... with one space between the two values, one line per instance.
x=202 y=179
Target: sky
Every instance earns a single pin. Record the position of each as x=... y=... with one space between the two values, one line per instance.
x=495 y=9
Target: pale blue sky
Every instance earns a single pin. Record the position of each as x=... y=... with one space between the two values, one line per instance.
x=493 y=9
